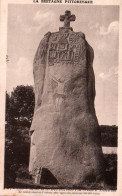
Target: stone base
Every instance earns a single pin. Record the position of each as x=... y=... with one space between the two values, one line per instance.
x=44 y=176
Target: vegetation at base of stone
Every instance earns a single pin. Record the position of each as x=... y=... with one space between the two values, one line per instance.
x=110 y=182
x=109 y=135
x=110 y=161
x=19 y=113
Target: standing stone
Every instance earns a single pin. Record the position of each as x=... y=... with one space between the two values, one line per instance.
x=65 y=132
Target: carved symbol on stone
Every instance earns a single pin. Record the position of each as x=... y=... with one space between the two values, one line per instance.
x=75 y=38
x=54 y=37
x=62 y=46
x=60 y=85
x=58 y=92
x=67 y=18
x=63 y=42
x=64 y=36
x=76 y=58
x=65 y=51
x=71 y=38
x=53 y=46
x=51 y=62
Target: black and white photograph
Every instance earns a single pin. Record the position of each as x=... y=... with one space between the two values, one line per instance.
x=61 y=97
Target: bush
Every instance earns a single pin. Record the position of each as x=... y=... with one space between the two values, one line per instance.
x=109 y=135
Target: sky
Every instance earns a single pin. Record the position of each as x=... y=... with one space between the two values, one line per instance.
x=27 y=24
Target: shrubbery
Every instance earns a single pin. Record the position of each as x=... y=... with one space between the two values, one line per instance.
x=109 y=135
x=19 y=113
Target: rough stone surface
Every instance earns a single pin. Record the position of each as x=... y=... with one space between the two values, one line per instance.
x=66 y=138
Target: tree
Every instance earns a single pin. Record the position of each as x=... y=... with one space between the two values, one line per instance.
x=19 y=113
x=20 y=105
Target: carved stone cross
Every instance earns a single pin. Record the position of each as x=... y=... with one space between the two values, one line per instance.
x=67 y=18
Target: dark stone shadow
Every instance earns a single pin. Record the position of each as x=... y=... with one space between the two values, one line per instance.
x=47 y=177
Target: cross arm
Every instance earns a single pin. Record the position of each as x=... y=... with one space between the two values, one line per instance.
x=72 y=18
x=62 y=18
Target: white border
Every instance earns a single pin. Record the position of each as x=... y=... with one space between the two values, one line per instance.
x=3 y=49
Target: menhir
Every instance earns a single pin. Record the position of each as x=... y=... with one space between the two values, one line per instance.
x=65 y=138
